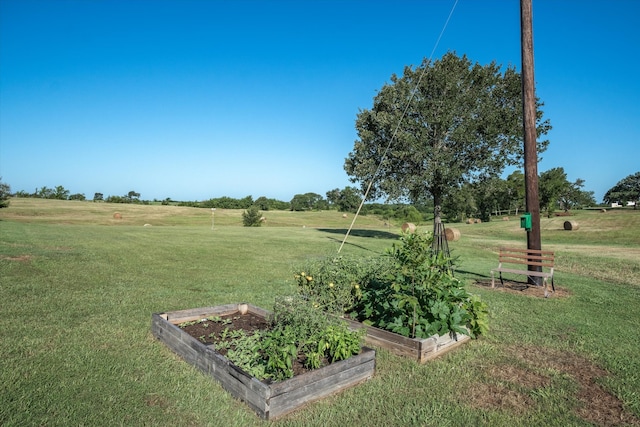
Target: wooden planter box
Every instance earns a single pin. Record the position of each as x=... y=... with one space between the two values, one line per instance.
x=267 y=400
x=421 y=350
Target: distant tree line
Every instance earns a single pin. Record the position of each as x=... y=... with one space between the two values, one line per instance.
x=494 y=196
x=482 y=199
x=58 y=193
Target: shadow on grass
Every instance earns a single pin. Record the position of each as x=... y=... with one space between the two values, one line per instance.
x=472 y=274
x=375 y=234
x=339 y=241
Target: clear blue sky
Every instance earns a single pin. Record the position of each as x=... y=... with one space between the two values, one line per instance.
x=195 y=99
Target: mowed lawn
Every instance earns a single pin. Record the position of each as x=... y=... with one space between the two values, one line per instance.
x=78 y=287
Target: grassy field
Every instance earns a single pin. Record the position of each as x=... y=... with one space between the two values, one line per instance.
x=78 y=287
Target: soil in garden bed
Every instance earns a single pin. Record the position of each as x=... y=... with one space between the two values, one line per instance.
x=211 y=331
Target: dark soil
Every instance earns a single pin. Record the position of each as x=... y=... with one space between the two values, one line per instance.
x=209 y=332
x=522 y=288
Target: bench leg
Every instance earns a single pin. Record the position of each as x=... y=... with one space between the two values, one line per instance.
x=546 y=287
x=493 y=279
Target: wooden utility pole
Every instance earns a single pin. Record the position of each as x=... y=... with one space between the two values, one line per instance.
x=530 y=135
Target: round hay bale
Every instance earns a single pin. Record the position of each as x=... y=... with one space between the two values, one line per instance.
x=470 y=221
x=408 y=227
x=571 y=225
x=344 y=215
x=478 y=220
x=117 y=215
x=603 y=210
x=505 y=218
x=452 y=234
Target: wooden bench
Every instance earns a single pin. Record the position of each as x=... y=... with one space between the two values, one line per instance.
x=528 y=257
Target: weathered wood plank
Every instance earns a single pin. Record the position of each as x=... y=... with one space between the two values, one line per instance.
x=385 y=336
x=421 y=350
x=299 y=381
x=291 y=394
x=324 y=386
x=192 y=314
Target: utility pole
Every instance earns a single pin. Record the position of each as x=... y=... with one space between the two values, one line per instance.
x=530 y=135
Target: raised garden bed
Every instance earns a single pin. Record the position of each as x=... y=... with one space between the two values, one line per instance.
x=420 y=350
x=267 y=400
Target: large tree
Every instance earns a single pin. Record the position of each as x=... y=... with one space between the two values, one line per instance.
x=576 y=197
x=626 y=190
x=557 y=192
x=439 y=125
x=553 y=183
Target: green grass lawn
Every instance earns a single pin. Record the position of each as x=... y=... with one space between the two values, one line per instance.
x=78 y=287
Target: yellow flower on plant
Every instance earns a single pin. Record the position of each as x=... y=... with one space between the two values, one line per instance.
x=331 y=285
x=356 y=286
x=309 y=278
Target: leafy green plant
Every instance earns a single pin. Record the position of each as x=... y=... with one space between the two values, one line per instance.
x=410 y=291
x=339 y=342
x=245 y=351
x=421 y=297
x=280 y=349
x=479 y=315
x=297 y=331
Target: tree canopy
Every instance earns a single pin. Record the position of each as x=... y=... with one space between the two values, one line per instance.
x=626 y=190
x=346 y=200
x=438 y=126
x=307 y=202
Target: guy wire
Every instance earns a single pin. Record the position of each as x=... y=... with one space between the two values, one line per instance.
x=393 y=136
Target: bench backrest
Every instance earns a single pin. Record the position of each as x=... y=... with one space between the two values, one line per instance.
x=533 y=257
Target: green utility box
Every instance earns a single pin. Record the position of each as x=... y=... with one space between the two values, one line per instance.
x=525 y=221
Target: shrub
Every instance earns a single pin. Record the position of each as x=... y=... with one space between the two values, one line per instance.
x=252 y=217
x=408 y=214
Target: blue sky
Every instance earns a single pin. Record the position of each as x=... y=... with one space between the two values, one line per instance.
x=195 y=99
